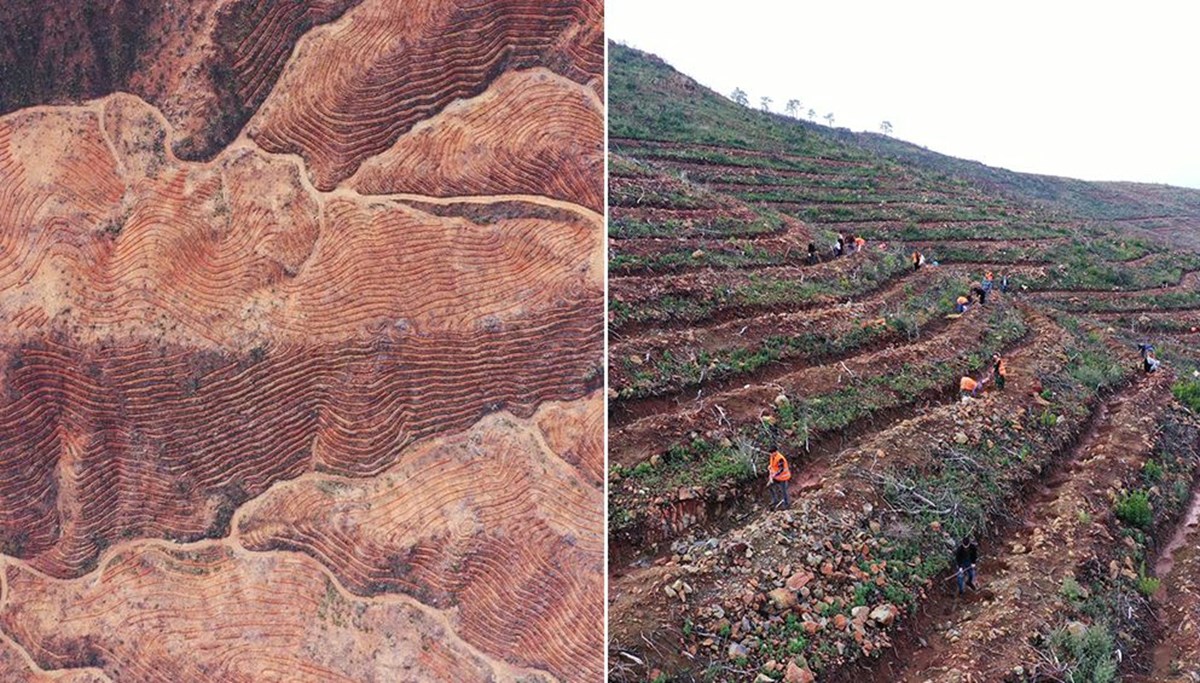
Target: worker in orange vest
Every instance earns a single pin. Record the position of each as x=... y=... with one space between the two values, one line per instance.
x=859 y=243
x=999 y=370
x=778 y=475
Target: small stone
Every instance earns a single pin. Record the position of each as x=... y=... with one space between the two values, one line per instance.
x=1076 y=628
x=798 y=674
x=840 y=621
x=884 y=615
x=782 y=598
x=738 y=650
x=799 y=580
x=636 y=359
x=860 y=613
x=699 y=253
x=655 y=460
x=960 y=438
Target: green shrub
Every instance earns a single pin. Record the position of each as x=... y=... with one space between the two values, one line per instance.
x=1049 y=419
x=1088 y=656
x=1188 y=393
x=1071 y=590
x=862 y=592
x=1152 y=471
x=1134 y=509
x=642 y=469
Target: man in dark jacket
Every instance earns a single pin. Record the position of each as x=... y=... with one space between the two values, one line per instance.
x=980 y=292
x=965 y=557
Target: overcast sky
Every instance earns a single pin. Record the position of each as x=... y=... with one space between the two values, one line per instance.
x=1092 y=90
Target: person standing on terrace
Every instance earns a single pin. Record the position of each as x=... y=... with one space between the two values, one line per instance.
x=778 y=476
x=965 y=558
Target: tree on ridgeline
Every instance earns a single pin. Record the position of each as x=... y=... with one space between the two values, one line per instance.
x=740 y=97
x=793 y=108
x=812 y=114
x=766 y=103
x=886 y=127
x=829 y=117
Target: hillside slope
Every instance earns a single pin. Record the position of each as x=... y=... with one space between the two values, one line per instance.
x=263 y=416
x=728 y=337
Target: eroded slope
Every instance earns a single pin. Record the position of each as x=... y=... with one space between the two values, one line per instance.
x=194 y=331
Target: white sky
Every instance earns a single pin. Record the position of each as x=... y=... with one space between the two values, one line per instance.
x=1091 y=90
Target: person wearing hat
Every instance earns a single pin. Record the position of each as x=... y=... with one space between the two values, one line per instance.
x=961 y=305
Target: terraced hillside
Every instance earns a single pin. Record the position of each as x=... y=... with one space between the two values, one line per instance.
x=728 y=337
x=295 y=383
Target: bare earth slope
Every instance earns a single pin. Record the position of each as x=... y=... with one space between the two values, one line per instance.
x=255 y=430
x=730 y=339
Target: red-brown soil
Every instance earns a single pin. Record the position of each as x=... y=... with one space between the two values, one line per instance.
x=532 y=132
x=1176 y=656
x=530 y=529
x=836 y=494
x=207 y=66
x=713 y=360
x=353 y=89
x=156 y=613
x=211 y=369
x=1063 y=527
x=742 y=402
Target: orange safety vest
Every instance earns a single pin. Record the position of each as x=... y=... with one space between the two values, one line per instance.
x=967 y=384
x=779 y=467
x=859 y=242
x=962 y=300
x=1002 y=368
